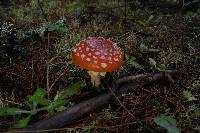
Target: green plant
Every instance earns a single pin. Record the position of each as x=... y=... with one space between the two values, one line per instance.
x=167 y=122
x=38 y=102
x=153 y=64
x=195 y=85
x=134 y=63
x=187 y=94
x=75 y=7
x=193 y=14
x=144 y=49
x=60 y=28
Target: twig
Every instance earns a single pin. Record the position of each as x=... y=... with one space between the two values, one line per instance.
x=112 y=92
x=43 y=13
x=52 y=59
x=47 y=62
x=79 y=127
x=57 y=79
x=12 y=102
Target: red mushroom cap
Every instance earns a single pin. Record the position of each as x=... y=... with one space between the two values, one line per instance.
x=98 y=54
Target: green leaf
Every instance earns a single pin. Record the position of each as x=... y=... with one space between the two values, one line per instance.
x=38 y=98
x=143 y=48
x=4 y=111
x=51 y=27
x=167 y=122
x=153 y=50
x=74 y=89
x=188 y=95
x=195 y=85
x=141 y=23
x=60 y=28
x=150 y=18
x=60 y=108
x=152 y=62
x=197 y=111
x=61 y=98
x=134 y=63
x=161 y=67
x=57 y=103
x=23 y=122
x=198 y=129
x=73 y=6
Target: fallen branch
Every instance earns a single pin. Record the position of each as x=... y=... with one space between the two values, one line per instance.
x=76 y=112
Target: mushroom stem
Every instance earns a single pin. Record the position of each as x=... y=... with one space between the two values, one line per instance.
x=95 y=77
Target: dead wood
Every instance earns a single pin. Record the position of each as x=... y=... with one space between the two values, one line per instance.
x=76 y=112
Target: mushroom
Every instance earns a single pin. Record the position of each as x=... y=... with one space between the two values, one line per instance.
x=98 y=56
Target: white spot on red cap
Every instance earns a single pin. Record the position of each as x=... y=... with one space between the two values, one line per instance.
x=82 y=56
x=97 y=53
x=115 y=45
x=75 y=50
x=87 y=49
x=103 y=57
x=104 y=65
x=110 y=62
x=101 y=38
x=88 y=59
x=116 y=59
x=102 y=51
x=94 y=57
x=89 y=54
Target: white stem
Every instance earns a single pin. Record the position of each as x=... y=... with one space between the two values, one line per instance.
x=95 y=77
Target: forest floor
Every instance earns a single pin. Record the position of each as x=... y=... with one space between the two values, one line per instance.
x=37 y=39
